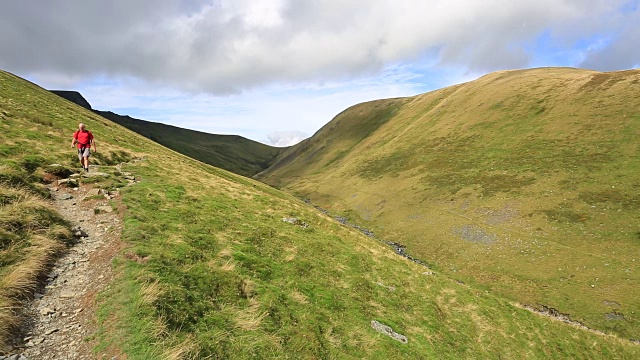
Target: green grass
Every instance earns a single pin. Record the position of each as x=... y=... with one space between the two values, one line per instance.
x=347 y=132
x=212 y=270
x=235 y=279
x=544 y=160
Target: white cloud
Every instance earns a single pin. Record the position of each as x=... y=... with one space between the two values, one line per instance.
x=618 y=50
x=253 y=67
x=257 y=113
x=227 y=46
x=286 y=138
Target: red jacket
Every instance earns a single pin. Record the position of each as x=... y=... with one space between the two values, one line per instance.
x=84 y=138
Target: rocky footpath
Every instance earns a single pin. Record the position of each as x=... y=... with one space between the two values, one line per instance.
x=62 y=316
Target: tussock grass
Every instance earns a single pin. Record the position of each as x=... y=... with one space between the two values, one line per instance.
x=32 y=237
x=299 y=297
x=250 y=318
x=151 y=292
x=184 y=350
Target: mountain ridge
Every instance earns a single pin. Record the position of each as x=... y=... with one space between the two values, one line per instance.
x=230 y=152
x=73 y=96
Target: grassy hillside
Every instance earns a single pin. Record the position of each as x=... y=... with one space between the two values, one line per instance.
x=230 y=152
x=213 y=271
x=523 y=183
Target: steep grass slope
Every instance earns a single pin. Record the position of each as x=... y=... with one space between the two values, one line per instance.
x=524 y=183
x=212 y=270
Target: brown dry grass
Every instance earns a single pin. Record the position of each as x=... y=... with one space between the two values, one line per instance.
x=250 y=318
x=31 y=241
x=228 y=265
x=184 y=350
x=19 y=284
x=299 y=297
x=151 y=292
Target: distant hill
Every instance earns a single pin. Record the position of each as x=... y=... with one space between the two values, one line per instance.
x=74 y=97
x=230 y=152
x=524 y=183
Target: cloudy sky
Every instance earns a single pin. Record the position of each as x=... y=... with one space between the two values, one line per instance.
x=276 y=71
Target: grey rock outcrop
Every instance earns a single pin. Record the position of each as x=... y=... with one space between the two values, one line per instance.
x=387 y=330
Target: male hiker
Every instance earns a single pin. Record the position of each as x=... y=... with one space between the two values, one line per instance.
x=84 y=139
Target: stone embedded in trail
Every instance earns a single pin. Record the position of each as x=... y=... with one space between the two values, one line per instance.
x=66 y=197
x=104 y=209
x=92 y=192
x=51 y=331
x=78 y=232
x=70 y=182
x=13 y=357
x=94 y=174
x=67 y=295
x=33 y=342
x=47 y=311
x=387 y=330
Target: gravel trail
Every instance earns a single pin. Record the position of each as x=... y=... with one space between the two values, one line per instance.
x=63 y=320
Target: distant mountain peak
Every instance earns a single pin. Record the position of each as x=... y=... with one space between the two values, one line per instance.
x=74 y=97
